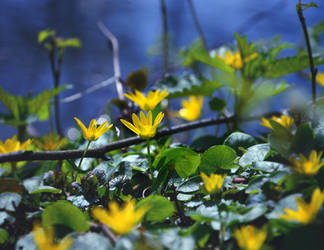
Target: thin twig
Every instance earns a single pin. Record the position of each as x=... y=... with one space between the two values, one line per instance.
x=313 y=70
x=88 y=90
x=100 y=151
x=197 y=24
x=114 y=43
x=165 y=36
x=56 y=72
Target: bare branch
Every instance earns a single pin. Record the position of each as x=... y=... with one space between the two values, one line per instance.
x=165 y=37
x=88 y=90
x=114 y=42
x=100 y=152
x=197 y=24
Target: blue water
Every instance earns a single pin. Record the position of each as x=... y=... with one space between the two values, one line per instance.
x=24 y=65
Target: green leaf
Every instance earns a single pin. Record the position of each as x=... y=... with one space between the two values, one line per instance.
x=3 y=235
x=46 y=189
x=316 y=31
x=44 y=34
x=160 y=207
x=164 y=170
x=217 y=104
x=39 y=105
x=254 y=154
x=304 y=139
x=186 y=85
x=204 y=213
x=309 y=5
x=198 y=53
x=217 y=157
x=288 y=65
x=189 y=186
x=79 y=201
x=204 y=142
x=253 y=213
x=185 y=160
x=281 y=144
x=214 y=62
x=137 y=79
x=268 y=166
x=64 y=213
x=5 y=217
x=71 y=42
x=24 y=110
x=239 y=140
x=9 y=201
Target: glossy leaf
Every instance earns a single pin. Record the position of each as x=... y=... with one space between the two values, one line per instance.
x=216 y=158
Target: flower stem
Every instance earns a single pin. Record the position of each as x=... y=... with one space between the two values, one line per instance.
x=85 y=151
x=221 y=235
x=149 y=159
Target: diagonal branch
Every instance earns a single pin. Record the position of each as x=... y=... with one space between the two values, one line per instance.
x=93 y=88
x=100 y=151
x=114 y=43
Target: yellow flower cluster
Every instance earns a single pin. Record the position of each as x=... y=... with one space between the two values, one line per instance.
x=50 y=142
x=191 y=108
x=45 y=239
x=213 y=183
x=283 y=120
x=92 y=133
x=308 y=166
x=306 y=212
x=249 y=237
x=120 y=219
x=13 y=145
x=320 y=78
x=144 y=127
x=235 y=60
x=148 y=102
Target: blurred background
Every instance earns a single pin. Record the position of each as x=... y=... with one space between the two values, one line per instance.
x=138 y=26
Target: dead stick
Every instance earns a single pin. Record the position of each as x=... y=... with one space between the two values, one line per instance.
x=114 y=43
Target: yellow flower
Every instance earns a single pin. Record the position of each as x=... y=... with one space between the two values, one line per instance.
x=235 y=60
x=44 y=239
x=12 y=145
x=249 y=237
x=50 y=142
x=93 y=132
x=120 y=219
x=320 y=78
x=307 y=166
x=147 y=103
x=191 y=109
x=284 y=120
x=144 y=127
x=306 y=212
x=213 y=183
